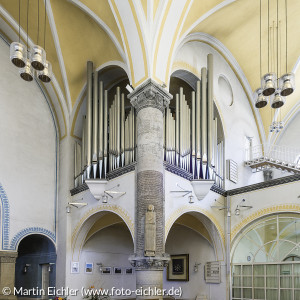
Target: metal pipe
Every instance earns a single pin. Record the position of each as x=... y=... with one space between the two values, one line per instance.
x=95 y=125
x=89 y=117
x=118 y=126
x=133 y=134
x=122 y=150
x=105 y=132
x=210 y=109
x=100 y=128
x=204 y=118
x=177 y=113
x=198 y=128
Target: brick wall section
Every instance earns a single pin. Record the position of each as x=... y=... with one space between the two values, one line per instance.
x=150 y=190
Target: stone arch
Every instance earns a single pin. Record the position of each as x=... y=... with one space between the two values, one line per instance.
x=294 y=208
x=4 y=218
x=215 y=230
x=88 y=220
x=14 y=244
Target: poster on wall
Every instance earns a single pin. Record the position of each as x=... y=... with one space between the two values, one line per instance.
x=74 y=267
x=88 y=268
x=117 y=270
x=178 y=268
x=106 y=270
x=129 y=271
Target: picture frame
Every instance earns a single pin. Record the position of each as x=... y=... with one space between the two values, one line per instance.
x=118 y=270
x=106 y=270
x=128 y=271
x=178 y=268
x=89 y=267
x=75 y=267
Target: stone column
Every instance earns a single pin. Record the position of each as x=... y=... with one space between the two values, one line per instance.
x=149 y=101
x=7 y=274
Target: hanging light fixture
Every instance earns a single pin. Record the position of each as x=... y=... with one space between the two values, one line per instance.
x=35 y=59
x=271 y=84
x=26 y=73
x=17 y=49
x=38 y=54
x=261 y=100
x=277 y=101
x=46 y=73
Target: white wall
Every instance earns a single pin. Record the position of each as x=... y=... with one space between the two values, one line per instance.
x=182 y=240
x=28 y=150
x=110 y=246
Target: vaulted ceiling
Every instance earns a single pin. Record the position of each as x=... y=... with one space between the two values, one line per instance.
x=142 y=37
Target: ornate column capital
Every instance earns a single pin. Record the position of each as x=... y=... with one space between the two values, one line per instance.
x=150 y=94
x=150 y=263
x=8 y=256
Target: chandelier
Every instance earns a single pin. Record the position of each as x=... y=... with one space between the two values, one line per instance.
x=274 y=88
x=31 y=62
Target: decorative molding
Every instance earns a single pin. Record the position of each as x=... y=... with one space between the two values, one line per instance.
x=263 y=185
x=121 y=171
x=81 y=188
x=150 y=263
x=5 y=218
x=216 y=189
x=178 y=171
x=263 y=212
x=28 y=231
x=150 y=94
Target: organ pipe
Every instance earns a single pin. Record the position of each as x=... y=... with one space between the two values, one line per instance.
x=100 y=128
x=122 y=128
x=105 y=138
x=89 y=118
x=95 y=125
x=210 y=109
x=204 y=117
x=190 y=132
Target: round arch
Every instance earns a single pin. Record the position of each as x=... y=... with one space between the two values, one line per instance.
x=211 y=225
x=86 y=223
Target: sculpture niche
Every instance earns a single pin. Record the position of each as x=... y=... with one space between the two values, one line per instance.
x=150 y=232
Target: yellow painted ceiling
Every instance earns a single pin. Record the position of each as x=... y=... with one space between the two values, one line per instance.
x=144 y=4
x=105 y=13
x=81 y=39
x=237 y=27
x=198 y=9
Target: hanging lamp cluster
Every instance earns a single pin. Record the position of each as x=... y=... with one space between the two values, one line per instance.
x=273 y=87
x=32 y=62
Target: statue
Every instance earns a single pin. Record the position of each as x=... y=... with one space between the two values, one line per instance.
x=150 y=232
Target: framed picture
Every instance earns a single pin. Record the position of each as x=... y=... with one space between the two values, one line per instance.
x=129 y=271
x=117 y=270
x=178 y=269
x=74 y=267
x=88 y=268
x=106 y=270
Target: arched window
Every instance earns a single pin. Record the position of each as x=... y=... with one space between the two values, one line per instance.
x=266 y=259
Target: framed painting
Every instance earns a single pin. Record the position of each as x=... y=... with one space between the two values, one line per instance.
x=74 y=267
x=178 y=269
x=106 y=270
x=117 y=270
x=88 y=268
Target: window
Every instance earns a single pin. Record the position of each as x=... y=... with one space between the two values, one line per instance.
x=266 y=260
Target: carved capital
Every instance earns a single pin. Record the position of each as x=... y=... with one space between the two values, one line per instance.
x=8 y=257
x=150 y=94
x=150 y=263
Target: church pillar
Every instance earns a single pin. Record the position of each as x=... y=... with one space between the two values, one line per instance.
x=7 y=274
x=149 y=101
